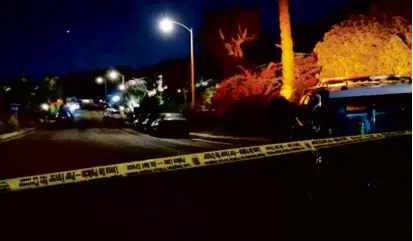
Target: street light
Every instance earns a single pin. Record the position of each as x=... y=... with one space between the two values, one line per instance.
x=122 y=87
x=100 y=80
x=114 y=74
x=166 y=25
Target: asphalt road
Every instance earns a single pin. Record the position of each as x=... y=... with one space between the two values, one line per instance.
x=45 y=150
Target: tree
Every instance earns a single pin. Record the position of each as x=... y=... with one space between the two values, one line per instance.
x=208 y=95
x=49 y=90
x=19 y=89
x=135 y=91
x=257 y=89
x=287 y=49
x=306 y=70
x=248 y=89
x=233 y=46
x=230 y=24
x=366 y=45
x=148 y=94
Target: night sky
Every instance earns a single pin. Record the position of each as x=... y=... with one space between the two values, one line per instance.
x=35 y=38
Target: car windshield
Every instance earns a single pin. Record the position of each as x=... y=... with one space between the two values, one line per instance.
x=98 y=89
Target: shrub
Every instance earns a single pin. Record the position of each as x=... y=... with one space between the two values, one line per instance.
x=13 y=123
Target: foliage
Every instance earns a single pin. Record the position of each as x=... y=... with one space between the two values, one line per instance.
x=13 y=123
x=258 y=89
x=366 y=46
x=208 y=94
x=49 y=90
x=135 y=91
x=255 y=89
x=231 y=24
x=18 y=89
x=234 y=46
x=147 y=94
x=306 y=69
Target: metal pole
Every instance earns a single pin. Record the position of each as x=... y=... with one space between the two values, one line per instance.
x=192 y=70
x=106 y=89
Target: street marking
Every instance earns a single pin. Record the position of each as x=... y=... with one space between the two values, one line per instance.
x=212 y=142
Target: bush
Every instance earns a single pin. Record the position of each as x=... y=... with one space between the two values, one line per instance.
x=250 y=89
x=366 y=46
x=12 y=124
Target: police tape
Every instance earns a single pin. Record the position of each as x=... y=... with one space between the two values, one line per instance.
x=185 y=161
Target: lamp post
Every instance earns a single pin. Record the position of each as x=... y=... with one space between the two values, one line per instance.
x=114 y=74
x=167 y=25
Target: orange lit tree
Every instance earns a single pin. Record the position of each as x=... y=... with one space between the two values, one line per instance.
x=231 y=24
x=251 y=89
x=257 y=89
x=287 y=49
x=306 y=69
x=234 y=45
x=365 y=46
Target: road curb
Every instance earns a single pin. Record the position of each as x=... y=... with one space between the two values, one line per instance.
x=229 y=138
x=130 y=131
x=15 y=134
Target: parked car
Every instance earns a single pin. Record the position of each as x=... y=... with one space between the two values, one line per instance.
x=170 y=124
x=111 y=113
x=146 y=123
x=46 y=118
x=64 y=117
x=137 y=123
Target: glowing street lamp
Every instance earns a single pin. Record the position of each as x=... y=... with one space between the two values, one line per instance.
x=121 y=87
x=114 y=74
x=99 y=80
x=166 y=25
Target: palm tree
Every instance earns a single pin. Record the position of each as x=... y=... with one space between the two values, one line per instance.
x=287 y=49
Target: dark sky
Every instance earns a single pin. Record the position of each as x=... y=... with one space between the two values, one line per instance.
x=105 y=33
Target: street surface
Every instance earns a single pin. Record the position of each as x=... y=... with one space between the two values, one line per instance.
x=47 y=150
x=357 y=192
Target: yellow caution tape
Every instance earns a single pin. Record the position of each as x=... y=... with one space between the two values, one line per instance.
x=184 y=161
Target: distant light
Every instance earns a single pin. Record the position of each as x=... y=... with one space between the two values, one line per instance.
x=99 y=80
x=68 y=31
x=122 y=87
x=85 y=101
x=166 y=25
x=45 y=107
x=178 y=90
x=116 y=98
